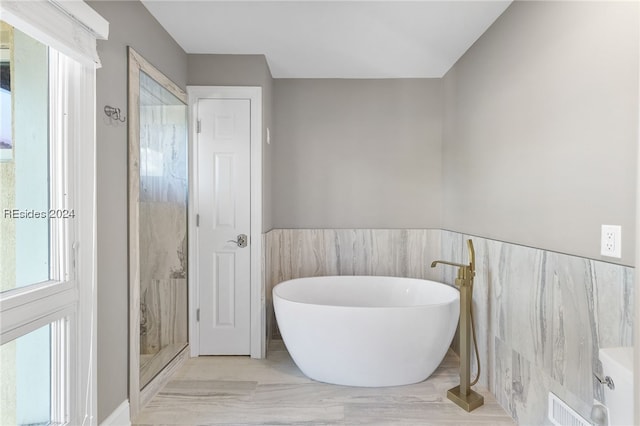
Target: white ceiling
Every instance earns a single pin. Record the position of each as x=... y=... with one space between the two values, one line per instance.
x=333 y=39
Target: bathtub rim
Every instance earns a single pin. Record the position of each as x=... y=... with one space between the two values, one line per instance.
x=455 y=290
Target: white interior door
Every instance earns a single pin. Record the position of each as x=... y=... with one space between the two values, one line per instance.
x=224 y=194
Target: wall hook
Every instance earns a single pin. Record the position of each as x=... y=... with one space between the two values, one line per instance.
x=114 y=113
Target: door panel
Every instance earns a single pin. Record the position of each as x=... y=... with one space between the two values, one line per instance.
x=224 y=209
x=224 y=300
x=224 y=200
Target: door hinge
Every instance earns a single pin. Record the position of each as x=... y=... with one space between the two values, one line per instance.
x=197 y=220
x=198 y=315
x=198 y=126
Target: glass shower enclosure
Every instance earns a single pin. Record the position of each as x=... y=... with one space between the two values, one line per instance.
x=158 y=195
x=163 y=227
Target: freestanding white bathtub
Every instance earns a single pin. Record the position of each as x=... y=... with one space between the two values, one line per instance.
x=366 y=331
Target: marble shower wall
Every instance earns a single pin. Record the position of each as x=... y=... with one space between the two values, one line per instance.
x=298 y=253
x=163 y=276
x=541 y=317
x=164 y=315
x=163 y=324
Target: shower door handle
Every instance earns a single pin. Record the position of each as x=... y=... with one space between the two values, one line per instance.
x=241 y=241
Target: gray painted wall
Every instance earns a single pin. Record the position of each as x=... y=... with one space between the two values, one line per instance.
x=541 y=128
x=130 y=24
x=242 y=70
x=357 y=153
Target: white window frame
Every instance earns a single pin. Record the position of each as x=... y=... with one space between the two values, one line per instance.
x=68 y=302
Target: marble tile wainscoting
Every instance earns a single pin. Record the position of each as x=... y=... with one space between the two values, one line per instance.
x=299 y=253
x=541 y=316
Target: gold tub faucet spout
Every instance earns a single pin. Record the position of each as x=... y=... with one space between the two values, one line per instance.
x=459 y=265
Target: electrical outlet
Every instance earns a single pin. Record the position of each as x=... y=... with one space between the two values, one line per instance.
x=611 y=241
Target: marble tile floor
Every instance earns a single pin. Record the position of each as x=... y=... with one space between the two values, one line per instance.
x=233 y=390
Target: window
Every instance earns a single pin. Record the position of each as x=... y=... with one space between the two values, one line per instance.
x=47 y=213
x=24 y=163
x=26 y=379
x=36 y=280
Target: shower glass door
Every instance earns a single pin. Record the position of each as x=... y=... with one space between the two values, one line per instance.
x=163 y=227
x=158 y=190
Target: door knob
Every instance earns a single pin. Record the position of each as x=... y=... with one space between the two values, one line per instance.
x=241 y=241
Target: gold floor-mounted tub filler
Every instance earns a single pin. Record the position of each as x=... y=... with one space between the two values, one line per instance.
x=463 y=395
